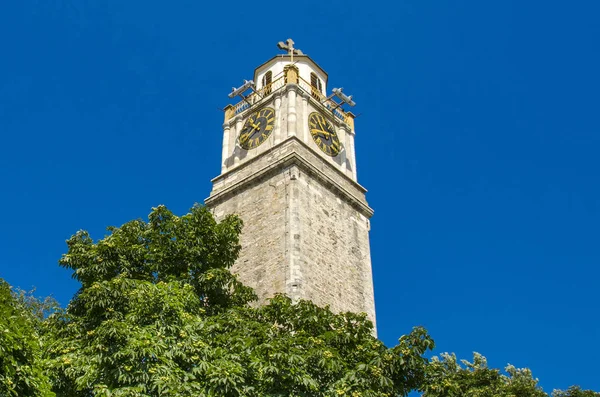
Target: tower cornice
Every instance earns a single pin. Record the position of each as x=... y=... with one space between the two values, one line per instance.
x=280 y=157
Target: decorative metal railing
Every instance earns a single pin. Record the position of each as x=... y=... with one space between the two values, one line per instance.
x=309 y=89
x=327 y=103
x=256 y=96
x=281 y=82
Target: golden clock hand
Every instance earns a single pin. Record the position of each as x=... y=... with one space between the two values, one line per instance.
x=320 y=133
x=251 y=120
x=324 y=134
x=244 y=137
x=254 y=126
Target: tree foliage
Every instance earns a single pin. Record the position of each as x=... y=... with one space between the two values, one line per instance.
x=21 y=370
x=575 y=391
x=159 y=314
x=447 y=378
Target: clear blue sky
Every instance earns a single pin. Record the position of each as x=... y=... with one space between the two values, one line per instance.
x=478 y=139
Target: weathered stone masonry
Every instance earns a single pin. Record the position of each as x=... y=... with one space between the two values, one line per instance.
x=305 y=233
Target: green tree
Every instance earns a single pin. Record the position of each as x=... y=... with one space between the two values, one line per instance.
x=21 y=369
x=159 y=314
x=447 y=378
x=575 y=391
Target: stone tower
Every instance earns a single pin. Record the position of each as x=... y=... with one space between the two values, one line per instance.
x=289 y=171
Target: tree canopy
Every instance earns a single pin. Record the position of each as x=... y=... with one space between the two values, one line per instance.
x=21 y=369
x=447 y=378
x=575 y=391
x=160 y=314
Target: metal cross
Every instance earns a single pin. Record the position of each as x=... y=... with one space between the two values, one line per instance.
x=289 y=47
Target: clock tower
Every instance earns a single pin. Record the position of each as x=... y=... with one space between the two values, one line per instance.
x=289 y=171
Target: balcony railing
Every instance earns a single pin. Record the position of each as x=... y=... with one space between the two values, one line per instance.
x=279 y=83
x=256 y=96
x=321 y=98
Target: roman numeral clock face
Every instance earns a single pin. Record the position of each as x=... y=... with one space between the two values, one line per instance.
x=324 y=134
x=257 y=128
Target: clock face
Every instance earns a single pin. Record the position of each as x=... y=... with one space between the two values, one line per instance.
x=324 y=134
x=257 y=128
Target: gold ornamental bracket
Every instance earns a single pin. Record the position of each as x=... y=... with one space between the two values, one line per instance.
x=229 y=112
x=349 y=119
x=291 y=74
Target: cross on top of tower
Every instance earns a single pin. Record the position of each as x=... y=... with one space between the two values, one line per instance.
x=289 y=47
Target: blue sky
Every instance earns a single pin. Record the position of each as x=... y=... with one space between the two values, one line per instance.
x=478 y=139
